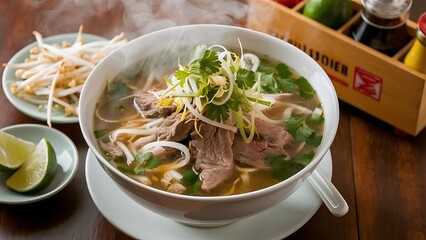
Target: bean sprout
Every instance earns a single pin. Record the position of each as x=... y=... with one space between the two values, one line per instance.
x=59 y=71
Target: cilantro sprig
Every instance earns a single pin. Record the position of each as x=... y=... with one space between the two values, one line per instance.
x=142 y=162
x=191 y=181
x=279 y=78
x=283 y=168
x=303 y=128
x=298 y=128
x=245 y=78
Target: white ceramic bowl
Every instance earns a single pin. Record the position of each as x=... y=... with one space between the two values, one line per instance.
x=193 y=210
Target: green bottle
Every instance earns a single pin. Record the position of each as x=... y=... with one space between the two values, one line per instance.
x=332 y=13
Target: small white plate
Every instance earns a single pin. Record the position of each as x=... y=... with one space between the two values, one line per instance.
x=66 y=155
x=9 y=77
x=277 y=222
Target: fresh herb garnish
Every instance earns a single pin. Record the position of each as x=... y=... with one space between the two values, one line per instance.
x=145 y=161
x=245 y=78
x=219 y=113
x=302 y=128
x=191 y=181
x=305 y=88
x=314 y=140
x=142 y=162
x=283 y=168
x=284 y=71
x=210 y=63
x=277 y=79
x=280 y=79
x=304 y=159
x=297 y=127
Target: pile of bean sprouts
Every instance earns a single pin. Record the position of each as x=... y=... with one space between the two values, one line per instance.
x=53 y=75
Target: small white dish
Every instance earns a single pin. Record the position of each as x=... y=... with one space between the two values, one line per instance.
x=275 y=223
x=28 y=108
x=67 y=158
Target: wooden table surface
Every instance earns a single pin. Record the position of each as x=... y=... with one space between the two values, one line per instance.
x=382 y=176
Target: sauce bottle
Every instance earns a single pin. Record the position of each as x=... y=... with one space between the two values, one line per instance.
x=383 y=25
x=416 y=57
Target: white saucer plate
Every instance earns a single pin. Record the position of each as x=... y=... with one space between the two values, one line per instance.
x=66 y=155
x=275 y=223
x=30 y=109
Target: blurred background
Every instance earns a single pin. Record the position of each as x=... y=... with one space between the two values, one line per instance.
x=419 y=7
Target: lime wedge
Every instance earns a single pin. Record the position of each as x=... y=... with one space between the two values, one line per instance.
x=13 y=151
x=37 y=172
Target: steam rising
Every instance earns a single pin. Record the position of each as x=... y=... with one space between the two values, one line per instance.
x=139 y=17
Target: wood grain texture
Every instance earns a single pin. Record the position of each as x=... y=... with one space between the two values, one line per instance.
x=381 y=175
x=390 y=182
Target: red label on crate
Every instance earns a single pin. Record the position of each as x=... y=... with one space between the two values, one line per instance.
x=368 y=83
x=338 y=80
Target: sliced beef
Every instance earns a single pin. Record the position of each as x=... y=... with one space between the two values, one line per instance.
x=111 y=149
x=213 y=155
x=252 y=153
x=271 y=141
x=174 y=128
x=275 y=135
x=147 y=105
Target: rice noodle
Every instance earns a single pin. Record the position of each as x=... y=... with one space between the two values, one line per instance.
x=129 y=156
x=184 y=149
x=154 y=123
x=132 y=148
x=287 y=113
x=299 y=108
x=144 y=140
x=115 y=134
x=244 y=175
x=260 y=115
x=232 y=189
x=157 y=150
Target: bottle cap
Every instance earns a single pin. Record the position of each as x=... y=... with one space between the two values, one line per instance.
x=422 y=23
x=387 y=9
x=386 y=14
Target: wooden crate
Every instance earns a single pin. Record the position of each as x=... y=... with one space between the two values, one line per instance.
x=363 y=77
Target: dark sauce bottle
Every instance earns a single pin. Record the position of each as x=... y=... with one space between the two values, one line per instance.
x=383 y=25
